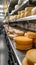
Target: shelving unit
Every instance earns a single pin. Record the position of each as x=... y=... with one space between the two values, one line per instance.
x=18 y=55
x=25 y=23
x=14 y=11
x=23 y=4
x=33 y=17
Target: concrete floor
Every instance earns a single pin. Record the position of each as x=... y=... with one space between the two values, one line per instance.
x=3 y=51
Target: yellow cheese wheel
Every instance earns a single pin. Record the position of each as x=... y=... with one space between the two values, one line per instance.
x=24 y=62
x=22 y=13
x=19 y=12
x=31 y=56
x=30 y=35
x=28 y=11
x=18 y=16
x=11 y=18
x=22 y=40
x=23 y=47
x=28 y=8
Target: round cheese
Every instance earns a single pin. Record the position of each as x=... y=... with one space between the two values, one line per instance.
x=30 y=35
x=33 y=12
x=20 y=33
x=28 y=11
x=23 y=47
x=31 y=56
x=23 y=40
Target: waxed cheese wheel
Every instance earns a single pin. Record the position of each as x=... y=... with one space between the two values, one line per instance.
x=30 y=35
x=23 y=40
x=23 y=47
x=31 y=56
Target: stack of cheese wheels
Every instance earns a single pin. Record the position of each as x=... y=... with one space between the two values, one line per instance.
x=30 y=58
x=28 y=11
x=23 y=43
x=31 y=35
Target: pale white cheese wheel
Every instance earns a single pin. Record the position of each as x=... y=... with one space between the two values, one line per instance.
x=33 y=12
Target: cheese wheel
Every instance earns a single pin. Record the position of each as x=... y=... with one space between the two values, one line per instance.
x=12 y=35
x=30 y=35
x=31 y=56
x=18 y=32
x=19 y=12
x=22 y=13
x=33 y=12
x=28 y=11
x=18 y=16
x=28 y=8
x=24 y=62
x=22 y=40
x=23 y=47
x=11 y=18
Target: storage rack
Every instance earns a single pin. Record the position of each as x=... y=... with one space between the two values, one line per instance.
x=20 y=7
x=25 y=23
